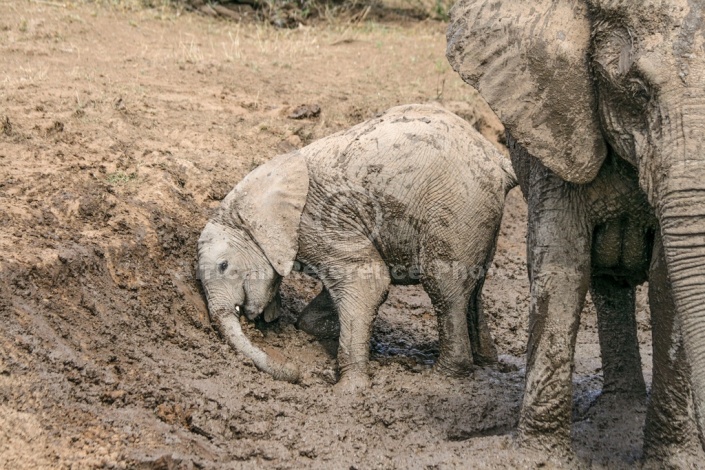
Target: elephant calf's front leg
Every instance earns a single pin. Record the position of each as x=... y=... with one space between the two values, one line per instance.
x=357 y=297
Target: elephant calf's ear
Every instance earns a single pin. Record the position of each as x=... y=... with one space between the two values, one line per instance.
x=269 y=202
x=529 y=60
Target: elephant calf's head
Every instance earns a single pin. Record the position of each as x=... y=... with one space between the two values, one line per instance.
x=234 y=271
x=246 y=249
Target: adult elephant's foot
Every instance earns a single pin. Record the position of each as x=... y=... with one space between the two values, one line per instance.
x=615 y=404
x=674 y=456
x=672 y=444
x=456 y=367
x=352 y=383
x=534 y=454
x=554 y=448
x=545 y=427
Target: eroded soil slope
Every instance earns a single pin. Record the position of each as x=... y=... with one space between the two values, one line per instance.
x=119 y=134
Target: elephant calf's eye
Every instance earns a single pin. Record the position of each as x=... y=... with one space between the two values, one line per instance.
x=223 y=266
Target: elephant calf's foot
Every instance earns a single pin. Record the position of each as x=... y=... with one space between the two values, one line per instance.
x=352 y=383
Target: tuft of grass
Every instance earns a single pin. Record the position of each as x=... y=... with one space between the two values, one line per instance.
x=120 y=178
x=6 y=126
x=441 y=10
x=441 y=66
x=441 y=69
x=254 y=163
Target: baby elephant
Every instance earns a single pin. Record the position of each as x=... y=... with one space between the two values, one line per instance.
x=414 y=195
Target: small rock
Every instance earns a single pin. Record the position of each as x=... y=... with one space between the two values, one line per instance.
x=330 y=376
x=56 y=128
x=120 y=104
x=306 y=111
x=294 y=140
x=208 y=10
x=113 y=396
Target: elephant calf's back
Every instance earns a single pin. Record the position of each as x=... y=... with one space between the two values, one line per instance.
x=415 y=179
x=415 y=153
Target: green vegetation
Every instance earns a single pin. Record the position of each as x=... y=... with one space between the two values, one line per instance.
x=120 y=177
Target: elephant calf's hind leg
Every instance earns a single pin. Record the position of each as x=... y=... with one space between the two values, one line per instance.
x=450 y=298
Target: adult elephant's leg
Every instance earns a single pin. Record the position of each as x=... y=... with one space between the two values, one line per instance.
x=320 y=317
x=616 y=322
x=484 y=351
x=558 y=244
x=358 y=292
x=670 y=427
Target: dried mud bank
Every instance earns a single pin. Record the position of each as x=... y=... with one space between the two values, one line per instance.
x=120 y=133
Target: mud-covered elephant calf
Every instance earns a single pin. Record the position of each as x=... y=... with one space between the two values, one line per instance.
x=412 y=196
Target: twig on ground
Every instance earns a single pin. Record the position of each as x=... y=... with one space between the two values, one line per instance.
x=51 y=4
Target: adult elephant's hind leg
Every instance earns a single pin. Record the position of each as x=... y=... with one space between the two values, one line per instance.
x=616 y=322
x=357 y=295
x=670 y=427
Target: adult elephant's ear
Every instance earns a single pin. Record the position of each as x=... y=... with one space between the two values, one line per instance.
x=529 y=60
x=269 y=202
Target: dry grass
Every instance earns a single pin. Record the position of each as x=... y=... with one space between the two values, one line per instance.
x=290 y=12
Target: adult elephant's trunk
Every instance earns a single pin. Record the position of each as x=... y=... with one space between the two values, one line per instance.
x=681 y=211
x=228 y=322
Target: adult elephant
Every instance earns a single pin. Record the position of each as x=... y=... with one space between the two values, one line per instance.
x=604 y=106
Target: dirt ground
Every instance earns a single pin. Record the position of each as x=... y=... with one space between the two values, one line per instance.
x=119 y=133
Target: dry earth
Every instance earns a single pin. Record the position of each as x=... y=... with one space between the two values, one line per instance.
x=120 y=132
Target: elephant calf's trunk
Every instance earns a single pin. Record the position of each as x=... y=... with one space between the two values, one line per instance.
x=278 y=368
